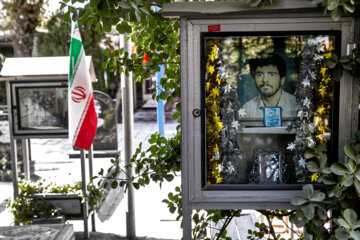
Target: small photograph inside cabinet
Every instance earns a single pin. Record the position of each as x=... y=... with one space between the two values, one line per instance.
x=269 y=101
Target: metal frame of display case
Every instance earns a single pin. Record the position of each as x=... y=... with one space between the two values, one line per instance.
x=282 y=16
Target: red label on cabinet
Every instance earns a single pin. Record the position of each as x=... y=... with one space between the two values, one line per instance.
x=214 y=28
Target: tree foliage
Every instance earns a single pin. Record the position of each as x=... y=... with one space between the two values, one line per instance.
x=56 y=42
x=23 y=16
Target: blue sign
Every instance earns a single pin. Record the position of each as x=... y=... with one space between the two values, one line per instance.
x=272 y=117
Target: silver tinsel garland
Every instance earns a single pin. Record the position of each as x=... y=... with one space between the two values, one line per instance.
x=304 y=94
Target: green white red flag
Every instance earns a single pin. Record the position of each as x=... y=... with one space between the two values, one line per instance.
x=82 y=115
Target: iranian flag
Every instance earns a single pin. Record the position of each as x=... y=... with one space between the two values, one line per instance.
x=82 y=115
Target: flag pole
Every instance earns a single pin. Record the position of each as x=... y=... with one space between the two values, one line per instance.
x=91 y=174
x=84 y=191
x=128 y=121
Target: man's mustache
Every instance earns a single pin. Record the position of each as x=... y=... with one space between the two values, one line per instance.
x=265 y=85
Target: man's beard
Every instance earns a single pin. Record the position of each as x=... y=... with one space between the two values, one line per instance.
x=265 y=93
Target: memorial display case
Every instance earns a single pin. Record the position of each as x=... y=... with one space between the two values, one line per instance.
x=257 y=93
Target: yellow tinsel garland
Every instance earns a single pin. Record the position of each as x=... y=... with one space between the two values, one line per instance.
x=213 y=121
x=323 y=102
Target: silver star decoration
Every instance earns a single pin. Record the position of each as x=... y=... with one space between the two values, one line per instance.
x=227 y=88
x=312 y=127
x=242 y=112
x=300 y=114
x=291 y=146
x=235 y=124
x=216 y=156
x=306 y=102
x=310 y=141
x=302 y=163
x=318 y=57
x=321 y=48
x=230 y=168
x=306 y=82
x=313 y=75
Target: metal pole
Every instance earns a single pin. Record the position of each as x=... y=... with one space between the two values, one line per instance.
x=84 y=190
x=13 y=147
x=160 y=104
x=91 y=174
x=26 y=158
x=128 y=121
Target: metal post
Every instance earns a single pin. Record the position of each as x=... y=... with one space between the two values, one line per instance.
x=26 y=157
x=160 y=104
x=128 y=121
x=84 y=191
x=91 y=174
x=13 y=147
x=14 y=167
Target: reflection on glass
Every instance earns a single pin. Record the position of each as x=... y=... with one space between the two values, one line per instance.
x=42 y=108
x=256 y=89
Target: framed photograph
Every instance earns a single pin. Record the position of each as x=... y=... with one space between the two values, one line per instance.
x=268 y=167
x=265 y=92
x=40 y=108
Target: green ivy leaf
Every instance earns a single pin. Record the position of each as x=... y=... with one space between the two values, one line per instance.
x=322 y=160
x=357 y=174
x=176 y=116
x=338 y=71
x=335 y=191
x=328 y=180
x=321 y=148
x=254 y=3
x=355 y=235
x=123 y=27
x=318 y=197
x=350 y=216
x=308 y=190
x=338 y=169
x=312 y=166
x=351 y=166
x=136 y=185
x=341 y=234
x=321 y=212
x=296 y=201
x=347 y=180
x=66 y=16
x=350 y=152
x=348 y=7
x=343 y=223
x=336 y=14
x=114 y=184
x=309 y=153
x=123 y=5
x=332 y=4
x=326 y=170
x=169 y=177
x=309 y=211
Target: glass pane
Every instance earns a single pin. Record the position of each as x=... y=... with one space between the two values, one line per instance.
x=43 y=108
x=267 y=100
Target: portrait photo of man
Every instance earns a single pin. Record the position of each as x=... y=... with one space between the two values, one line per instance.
x=269 y=76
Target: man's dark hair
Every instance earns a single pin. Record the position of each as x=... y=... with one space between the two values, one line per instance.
x=272 y=59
